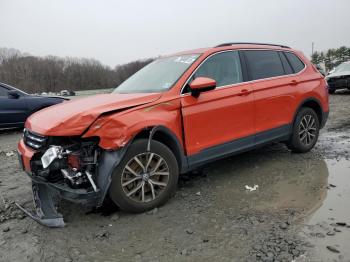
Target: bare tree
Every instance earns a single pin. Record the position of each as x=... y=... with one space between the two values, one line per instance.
x=52 y=74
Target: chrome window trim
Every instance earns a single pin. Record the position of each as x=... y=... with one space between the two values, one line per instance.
x=243 y=82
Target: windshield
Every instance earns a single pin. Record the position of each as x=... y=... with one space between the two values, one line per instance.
x=157 y=76
x=342 y=68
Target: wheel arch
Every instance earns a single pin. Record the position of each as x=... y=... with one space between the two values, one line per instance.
x=314 y=104
x=163 y=135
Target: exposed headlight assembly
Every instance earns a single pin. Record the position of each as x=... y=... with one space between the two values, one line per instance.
x=50 y=155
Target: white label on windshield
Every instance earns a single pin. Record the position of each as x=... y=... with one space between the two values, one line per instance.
x=185 y=59
x=166 y=85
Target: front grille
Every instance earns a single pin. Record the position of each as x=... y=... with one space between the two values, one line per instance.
x=33 y=140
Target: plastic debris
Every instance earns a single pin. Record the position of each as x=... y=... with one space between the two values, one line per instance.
x=11 y=153
x=333 y=249
x=250 y=189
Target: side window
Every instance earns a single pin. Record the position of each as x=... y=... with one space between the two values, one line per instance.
x=295 y=62
x=3 y=91
x=224 y=68
x=263 y=64
x=287 y=68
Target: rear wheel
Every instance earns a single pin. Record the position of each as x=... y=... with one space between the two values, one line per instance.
x=331 y=91
x=305 y=131
x=144 y=180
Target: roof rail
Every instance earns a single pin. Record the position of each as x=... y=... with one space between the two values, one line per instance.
x=244 y=43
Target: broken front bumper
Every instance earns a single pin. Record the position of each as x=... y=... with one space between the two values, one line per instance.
x=45 y=206
x=47 y=195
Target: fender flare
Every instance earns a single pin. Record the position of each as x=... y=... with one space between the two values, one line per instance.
x=321 y=114
x=177 y=148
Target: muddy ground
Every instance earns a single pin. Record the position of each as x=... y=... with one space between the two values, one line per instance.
x=299 y=212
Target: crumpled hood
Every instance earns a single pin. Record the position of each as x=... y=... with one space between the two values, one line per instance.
x=345 y=73
x=73 y=117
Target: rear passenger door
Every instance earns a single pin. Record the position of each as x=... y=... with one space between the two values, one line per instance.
x=274 y=86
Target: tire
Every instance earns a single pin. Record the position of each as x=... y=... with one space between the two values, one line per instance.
x=331 y=91
x=305 y=134
x=152 y=188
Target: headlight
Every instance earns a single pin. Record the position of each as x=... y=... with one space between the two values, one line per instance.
x=50 y=155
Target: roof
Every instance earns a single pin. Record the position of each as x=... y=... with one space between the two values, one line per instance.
x=231 y=46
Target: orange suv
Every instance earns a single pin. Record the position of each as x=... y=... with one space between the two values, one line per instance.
x=175 y=114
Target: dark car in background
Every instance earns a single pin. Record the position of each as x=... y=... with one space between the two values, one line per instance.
x=16 y=105
x=339 y=78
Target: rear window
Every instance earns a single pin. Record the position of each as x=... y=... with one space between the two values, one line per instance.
x=286 y=65
x=263 y=64
x=295 y=62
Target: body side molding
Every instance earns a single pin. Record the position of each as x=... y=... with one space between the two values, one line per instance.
x=237 y=146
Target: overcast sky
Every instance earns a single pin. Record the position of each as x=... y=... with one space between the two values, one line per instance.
x=117 y=32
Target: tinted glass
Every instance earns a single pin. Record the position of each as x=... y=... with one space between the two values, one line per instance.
x=224 y=68
x=3 y=91
x=157 y=76
x=263 y=64
x=287 y=68
x=295 y=62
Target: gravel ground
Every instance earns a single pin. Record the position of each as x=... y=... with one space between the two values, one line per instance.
x=299 y=210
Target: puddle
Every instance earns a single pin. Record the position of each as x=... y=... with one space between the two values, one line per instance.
x=284 y=180
x=334 y=208
x=288 y=181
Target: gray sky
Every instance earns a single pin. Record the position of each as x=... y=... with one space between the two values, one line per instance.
x=116 y=32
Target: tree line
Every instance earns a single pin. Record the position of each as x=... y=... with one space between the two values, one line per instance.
x=332 y=57
x=35 y=74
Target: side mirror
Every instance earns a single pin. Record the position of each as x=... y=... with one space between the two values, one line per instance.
x=13 y=94
x=201 y=84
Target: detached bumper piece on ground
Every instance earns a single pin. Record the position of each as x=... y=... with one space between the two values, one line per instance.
x=45 y=204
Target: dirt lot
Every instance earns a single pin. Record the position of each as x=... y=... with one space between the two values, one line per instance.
x=300 y=210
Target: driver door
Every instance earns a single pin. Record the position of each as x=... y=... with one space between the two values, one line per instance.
x=221 y=120
x=13 y=111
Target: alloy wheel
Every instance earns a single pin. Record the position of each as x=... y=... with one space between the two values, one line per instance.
x=307 y=130
x=145 y=177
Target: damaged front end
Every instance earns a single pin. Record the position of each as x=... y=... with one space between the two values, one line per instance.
x=71 y=168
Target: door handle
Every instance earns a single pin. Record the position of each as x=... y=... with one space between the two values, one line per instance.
x=244 y=92
x=294 y=82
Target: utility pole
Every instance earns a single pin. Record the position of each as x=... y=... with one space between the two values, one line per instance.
x=312 y=48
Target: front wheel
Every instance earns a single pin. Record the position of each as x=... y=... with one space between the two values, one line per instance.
x=306 y=128
x=144 y=180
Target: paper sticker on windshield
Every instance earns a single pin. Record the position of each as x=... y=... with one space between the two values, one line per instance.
x=166 y=85
x=185 y=59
